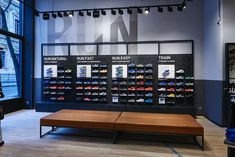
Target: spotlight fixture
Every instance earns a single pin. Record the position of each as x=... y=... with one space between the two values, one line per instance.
x=103 y=12
x=71 y=14
x=160 y=9
x=59 y=14
x=180 y=8
x=139 y=10
x=146 y=11
x=184 y=5
x=66 y=14
x=54 y=15
x=80 y=13
x=88 y=13
x=113 y=12
x=170 y=9
x=46 y=16
x=129 y=11
x=96 y=14
x=120 y=11
x=36 y=13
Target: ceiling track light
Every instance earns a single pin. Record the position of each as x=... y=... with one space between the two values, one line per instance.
x=103 y=12
x=88 y=13
x=120 y=11
x=113 y=12
x=96 y=14
x=184 y=5
x=180 y=8
x=80 y=13
x=71 y=14
x=66 y=14
x=129 y=11
x=53 y=15
x=139 y=10
x=170 y=9
x=147 y=10
x=59 y=14
x=160 y=9
x=46 y=16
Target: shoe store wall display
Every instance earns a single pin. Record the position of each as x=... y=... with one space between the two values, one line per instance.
x=143 y=82
x=50 y=71
x=83 y=71
x=119 y=71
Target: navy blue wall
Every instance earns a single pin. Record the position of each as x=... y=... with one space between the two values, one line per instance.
x=28 y=56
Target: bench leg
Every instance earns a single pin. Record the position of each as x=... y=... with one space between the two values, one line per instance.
x=42 y=135
x=115 y=137
x=202 y=142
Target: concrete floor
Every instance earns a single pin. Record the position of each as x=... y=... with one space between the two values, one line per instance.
x=21 y=136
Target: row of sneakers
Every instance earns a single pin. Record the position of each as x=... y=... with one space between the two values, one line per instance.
x=133 y=94
x=53 y=93
x=140 y=77
x=64 y=71
x=134 y=88
x=61 y=98
x=177 y=89
x=175 y=83
x=173 y=95
x=132 y=83
x=140 y=71
x=140 y=65
x=99 y=65
x=57 y=82
x=57 y=87
x=90 y=82
x=99 y=71
x=59 y=77
x=92 y=93
x=92 y=99
x=137 y=100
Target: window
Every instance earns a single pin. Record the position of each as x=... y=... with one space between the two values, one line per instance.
x=11 y=16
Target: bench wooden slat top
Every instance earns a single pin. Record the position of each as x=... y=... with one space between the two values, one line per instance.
x=81 y=119
x=159 y=123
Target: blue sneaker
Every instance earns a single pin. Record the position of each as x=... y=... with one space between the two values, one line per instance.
x=149 y=94
x=148 y=101
x=131 y=71
x=171 y=83
x=162 y=83
x=131 y=65
x=149 y=83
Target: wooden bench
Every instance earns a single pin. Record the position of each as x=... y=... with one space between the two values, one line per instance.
x=168 y=124
x=80 y=119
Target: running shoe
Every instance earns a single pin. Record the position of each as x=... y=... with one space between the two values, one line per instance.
x=162 y=89
x=149 y=65
x=180 y=71
x=87 y=93
x=53 y=82
x=95 y=99
x=79 y=94
x=95 y=65
x=179 y=78
x=60 y=71
x=140 y=71
x=148 y=101
x=79 y=82
x=53 y=98
x=131 y=65
x=189 y=78
x=104 y=71
x=140 y=83
x=131 y=88
x=131 y=100
x=188 y=90
x=53 y=87
x=162 y=83
x=87 y=99
x=68 y=71
x=149 y=94
x=189 y=84
x=131 y=94
x=179 y=96
x=149 y=88
x=171 y=83
x=148 y=77
x=171 y=89
x=94 y=82
x=94 y=94
x=68 y=82
x=103 y=93
x=171 y=95
x=149 y=71
x=140 y=89
x=140 y=66
x=140 y=77
x=79 y=87
x=140 y=100
x=94 y=88
x=46 y=93
x=68 y=88
x=131 y=71
x=95 y=71
x=61 y=98
x=61 y=82
x=103 y=65
x=123 y=94
x=180 y=84
x=61 y=87
x=52 y=93
x=162 y=95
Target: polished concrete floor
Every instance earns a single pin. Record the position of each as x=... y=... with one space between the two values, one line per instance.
x=21 y=136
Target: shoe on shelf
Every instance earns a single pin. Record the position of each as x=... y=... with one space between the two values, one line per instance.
x=140 y=100
x=131 y=65
x=171 y=83
x=149 y=65
x=171 y=95
x=166 y=73
x=162 y=83
x=149 y=88
x=180 y=71
x=148 y=101
x=140 y=77
x=162 y=89
x=171 y=89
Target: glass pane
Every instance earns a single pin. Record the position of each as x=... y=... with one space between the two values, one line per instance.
x=143 y=49
x=10 y=68
x=113 y=49
x=83 y=50
x=176 y=48
x=55 y=50
x=12 y=11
